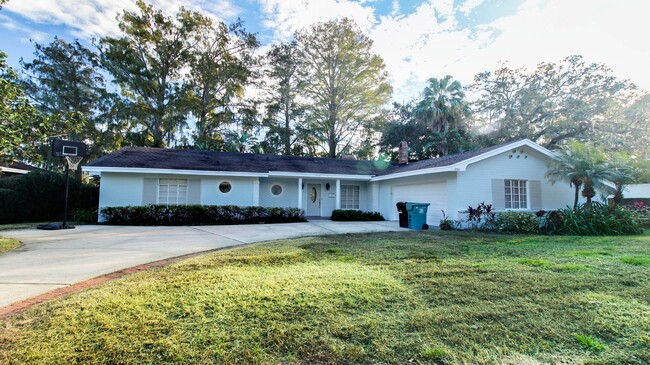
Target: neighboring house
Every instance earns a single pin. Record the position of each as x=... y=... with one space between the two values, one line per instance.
x=509 y=176
x=16 y=168
x=637 y=191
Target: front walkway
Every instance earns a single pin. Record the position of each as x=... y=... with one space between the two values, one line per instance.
x=50 y=260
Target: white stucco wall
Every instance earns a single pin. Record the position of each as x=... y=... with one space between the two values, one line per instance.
x=118 y=189
x=241 y=193
x=386 y=205
x=475 y=184
x=287 y=199
x=637 y=191
x=329 y=197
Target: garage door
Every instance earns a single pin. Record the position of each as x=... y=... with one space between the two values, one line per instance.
x=432 y=193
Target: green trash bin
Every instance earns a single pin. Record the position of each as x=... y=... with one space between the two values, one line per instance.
x=417 y=213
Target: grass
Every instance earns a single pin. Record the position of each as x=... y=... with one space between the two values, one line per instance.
x=589 y=343
x=17 y=226
x=8 y=244
x=420 y=297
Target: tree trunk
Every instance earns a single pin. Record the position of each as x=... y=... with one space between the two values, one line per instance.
x=577 y=194
x=287 y=131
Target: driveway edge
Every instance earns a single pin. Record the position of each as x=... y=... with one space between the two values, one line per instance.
x=25 y=304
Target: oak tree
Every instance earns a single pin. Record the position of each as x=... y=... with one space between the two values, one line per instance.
x=345 y=83
x=149 y=62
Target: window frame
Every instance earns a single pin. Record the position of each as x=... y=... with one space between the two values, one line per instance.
x=519 y=201
x=187 y=190
x=281 y=190
x=223 y=182
x=358 y=197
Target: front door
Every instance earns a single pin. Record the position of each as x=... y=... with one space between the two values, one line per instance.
x=313 y=200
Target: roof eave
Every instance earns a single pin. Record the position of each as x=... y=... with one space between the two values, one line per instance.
x=462 y=165
x=291 y=174
x=97 y=170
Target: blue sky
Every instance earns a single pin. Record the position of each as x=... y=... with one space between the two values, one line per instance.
x=418 y=39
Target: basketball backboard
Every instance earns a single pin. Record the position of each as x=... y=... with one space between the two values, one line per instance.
x=61 y=148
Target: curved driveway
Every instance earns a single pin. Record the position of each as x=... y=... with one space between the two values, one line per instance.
x=49 y=260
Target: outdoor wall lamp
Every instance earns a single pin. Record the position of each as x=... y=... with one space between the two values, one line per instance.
x=327 y=186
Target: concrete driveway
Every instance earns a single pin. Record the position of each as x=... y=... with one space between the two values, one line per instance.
x=49 y=260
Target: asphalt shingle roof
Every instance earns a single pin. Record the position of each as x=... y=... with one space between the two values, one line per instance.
x=440 y=161
x=159 y=158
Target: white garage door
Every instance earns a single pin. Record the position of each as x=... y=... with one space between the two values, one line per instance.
x=432 y=193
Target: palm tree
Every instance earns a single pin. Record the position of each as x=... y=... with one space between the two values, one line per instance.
x=582 y=166
x=443 y=107
x=623 y=173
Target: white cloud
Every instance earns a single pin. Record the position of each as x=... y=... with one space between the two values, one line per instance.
x=469 y=5
x=603 y=31
x=31 y=34
x=284 y=17
x=97 y=18
x=87 y=19
x=426 y=42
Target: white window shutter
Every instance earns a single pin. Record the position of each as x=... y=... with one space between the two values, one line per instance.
x=194 y=192
x=150 y=191
x=498 y=194
x=535 y=191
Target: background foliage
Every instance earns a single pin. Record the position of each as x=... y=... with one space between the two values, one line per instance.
x=38 y=197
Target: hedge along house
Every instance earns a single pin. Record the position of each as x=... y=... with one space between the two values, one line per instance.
x=510 y=176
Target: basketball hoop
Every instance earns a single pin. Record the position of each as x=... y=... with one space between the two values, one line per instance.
x=73 y=161
x=73 y=152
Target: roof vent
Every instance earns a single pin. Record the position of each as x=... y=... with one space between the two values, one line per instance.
x=403 y=154
x=348 y=157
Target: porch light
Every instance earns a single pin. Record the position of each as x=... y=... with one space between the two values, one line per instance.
x=327 y=186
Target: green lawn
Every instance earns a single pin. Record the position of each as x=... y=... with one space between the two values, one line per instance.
x=14 y=226
x=8 y=244
x=419 y=297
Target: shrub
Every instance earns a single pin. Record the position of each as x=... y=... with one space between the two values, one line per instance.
x=12 y=206
x=355 y=215
x=181 y=215
x=85 y=216
x=39 y=197
x=643 y=211
x=517 y=222
x=446 y=224
x=597 y=220
x=481 y=217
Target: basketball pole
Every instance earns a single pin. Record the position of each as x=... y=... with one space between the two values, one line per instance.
x=65 y=202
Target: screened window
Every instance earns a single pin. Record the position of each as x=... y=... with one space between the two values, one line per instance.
x=350 y=197
x=516 y=194
x=172 y=191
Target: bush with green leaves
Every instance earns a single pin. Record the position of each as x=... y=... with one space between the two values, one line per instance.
x=182 y=215
x=38 y=197
x=355 y=215
x=517 y=222
x=595 y=220
x=643 y=210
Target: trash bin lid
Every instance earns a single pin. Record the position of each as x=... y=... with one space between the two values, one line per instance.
x=412 y=205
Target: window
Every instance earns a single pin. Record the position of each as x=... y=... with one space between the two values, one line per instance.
x=276 y=190
x=516 y=194
x=225 y=187
x=172 y=191
x=350 y=197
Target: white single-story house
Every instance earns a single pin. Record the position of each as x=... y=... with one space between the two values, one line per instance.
x=510 y=176
x=637 y=191
x=16 y=168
